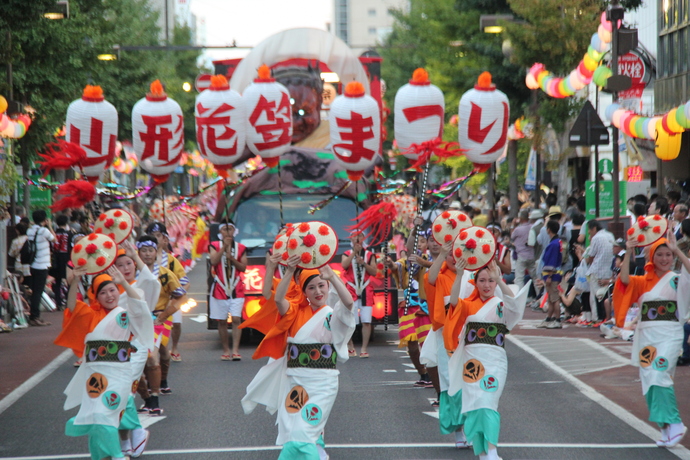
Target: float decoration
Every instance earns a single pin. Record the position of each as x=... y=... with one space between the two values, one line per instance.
x=375 y=222
x=12 y=128
x=61 y=155
x=157 y=132
x=74 y=194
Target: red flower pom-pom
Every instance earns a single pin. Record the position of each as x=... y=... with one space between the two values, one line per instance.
x=102 y=217
x=309 y=240
x=479 y=233
x=472 y=260
x=486 y=248
x=631 y=231
x=109 y=223
x=77 y=248
x=91 y=237
x=656 y=217
x=292 y=244
x=100 y=261
x=640 y=218
x=445 y=215
x=458 y=253
x=108 y=244
x=81 y=262
x=324 y=249
x=462 y=217
x=91 y=248
x=289 y=231
x=640 y=238
x=643 y=224
x=278 y=245
x=123 y=225
x=117 y=213
x=306 y=258
x=379 y=266
x=98 y=230
x=453 y=223
x=111 y=235
x=323 y=230
x=470 y=244
x=447 y=238
x=438 y=228
x=657 y=229
x=303 y=227
x=285 y=256
x=463 y=235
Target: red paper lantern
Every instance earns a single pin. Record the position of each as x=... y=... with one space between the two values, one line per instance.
x=269 y=117
x=158 y=132
x=92 y=124
x=220 y=123
x=355 y=123
x=483 y=122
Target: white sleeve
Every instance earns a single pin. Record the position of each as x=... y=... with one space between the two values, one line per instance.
x=683 y=300
x=140 y=320
x=150 y=285
x=515 y=307
x=343 y=324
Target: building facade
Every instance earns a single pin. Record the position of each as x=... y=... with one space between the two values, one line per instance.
x=363 y=24
x=673 y=73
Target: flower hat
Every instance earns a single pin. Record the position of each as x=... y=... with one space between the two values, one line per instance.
x=315 y=242
x=281 y=241
x=115 y=223
x=476 y=245
x=647 y=230
x=97 y=252
x=448 y=224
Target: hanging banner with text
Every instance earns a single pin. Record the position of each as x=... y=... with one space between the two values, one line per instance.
x=605 y=198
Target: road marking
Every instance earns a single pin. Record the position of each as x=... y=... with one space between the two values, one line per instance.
x=603 y=401
x=432 y=414
x=200 y=318
x=408 y=365
x=148 y=420
x=221 y=450
x=37 y=378
x=389 y=370
x=399 y=350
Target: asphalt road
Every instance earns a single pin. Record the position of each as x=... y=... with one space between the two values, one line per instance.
x=378 y=413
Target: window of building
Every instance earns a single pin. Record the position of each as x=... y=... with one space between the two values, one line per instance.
x=372 y=30
x=682 y=49
x=372 y=12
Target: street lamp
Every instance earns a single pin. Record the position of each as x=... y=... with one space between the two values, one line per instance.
x=59 y=11
x=490 y=23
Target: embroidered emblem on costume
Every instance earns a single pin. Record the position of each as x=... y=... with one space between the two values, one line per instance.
x=296 y=399
x=163 y=279
x=660 y=364
x=674 y=283
x=312 y=414
x=111 y=400
x=327 y=321
x=489 y=383
x=473 y=372
x=647 y=356
x=499 y=310
x=96 y=385
x=123 y=320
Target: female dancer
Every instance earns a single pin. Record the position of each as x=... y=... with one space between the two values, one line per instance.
x=663 y=297
x=301 y=381
x=475 y=333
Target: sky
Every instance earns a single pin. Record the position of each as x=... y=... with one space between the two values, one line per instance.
x=248 y=22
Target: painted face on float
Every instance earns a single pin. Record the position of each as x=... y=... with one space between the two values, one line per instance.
x=109 y=296
x=317 y=292
x=127 y=267
x=306 y=109
x=485 y=285
x=663 y=258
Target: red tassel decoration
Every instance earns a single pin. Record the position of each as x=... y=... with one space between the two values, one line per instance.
x=74 y=194
x=61 y=155
x=443 y=150
x=376 y=222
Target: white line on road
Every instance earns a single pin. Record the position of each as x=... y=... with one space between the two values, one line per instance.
x=603 y=401
x=358 y=446
x=389 y=370
x=37 y=378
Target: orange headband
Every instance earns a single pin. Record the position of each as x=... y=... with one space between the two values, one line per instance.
x=305 y=276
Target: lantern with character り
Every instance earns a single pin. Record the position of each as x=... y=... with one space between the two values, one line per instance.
x=268 y=117
x=355 y=124
x=92 y=124
x=483 y=118
x=419 y=114
x=220 y=123
x=158 y=132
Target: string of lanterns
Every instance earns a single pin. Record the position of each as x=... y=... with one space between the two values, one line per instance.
x=12 y=128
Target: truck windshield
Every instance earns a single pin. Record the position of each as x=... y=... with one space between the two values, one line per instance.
x=259 y=217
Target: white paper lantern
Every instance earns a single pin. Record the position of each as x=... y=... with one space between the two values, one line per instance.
x=92 y=124
x=355 y=123
x=269 y=117
x=220 y=123
x=419 y=113
x=158 y=132
x=483 y=118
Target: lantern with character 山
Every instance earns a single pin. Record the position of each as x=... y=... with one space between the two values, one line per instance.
x=92 y=124
x=269 y=117
x=220 y=123
x=158 y=132
x=483 y=118
x=355 y=123
x=419 y=114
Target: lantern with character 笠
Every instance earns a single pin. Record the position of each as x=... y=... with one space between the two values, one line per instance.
x=158 y=132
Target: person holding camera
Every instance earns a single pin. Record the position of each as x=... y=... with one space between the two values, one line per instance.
x=42 y=234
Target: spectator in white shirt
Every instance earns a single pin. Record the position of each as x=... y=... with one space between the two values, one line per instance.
x=42 y=233
x=599 y=261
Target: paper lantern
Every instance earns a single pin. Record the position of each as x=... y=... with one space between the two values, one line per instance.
x=3 y=104
x=220 y=123
x=419 y=113
x=92 y=124
x=483 y=121
x=157 y=132
x=355 y=123
x=667 y=145
x=601 y=75
x=268 y=117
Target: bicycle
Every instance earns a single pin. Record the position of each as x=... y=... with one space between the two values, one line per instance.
x=15 y=302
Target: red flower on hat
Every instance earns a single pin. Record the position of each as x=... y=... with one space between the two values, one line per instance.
x=100 y=261
x=108 y=244
x=447 y=238
x=303 y=227
x=91 y=237
x=306 y=258
x=123 y=225
x=462 y=217
x=486 y=248
x=640 y=218
x=379 y=266
x=91 y=248
x=470 y=244
x=98 y=230
x=109 y=223
x=643 y=224
x=453 y=223
x=81 y=262
x=102 y=217
x=289 y=231
x=640 y=238
x=479 y=233
x=111 y=235
x=656 y=217
x=472 y=260
x=117 y=213
x=438 y=228
x=458 y=252
x=285 y=256
x=292 y=244
x=463 y=235
x=631 y=231
x=445 y=215
x=278 y=244
x=309 y=240
x=657 y=229
x=77 y=248
x=323 y=230
x=324 y=249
